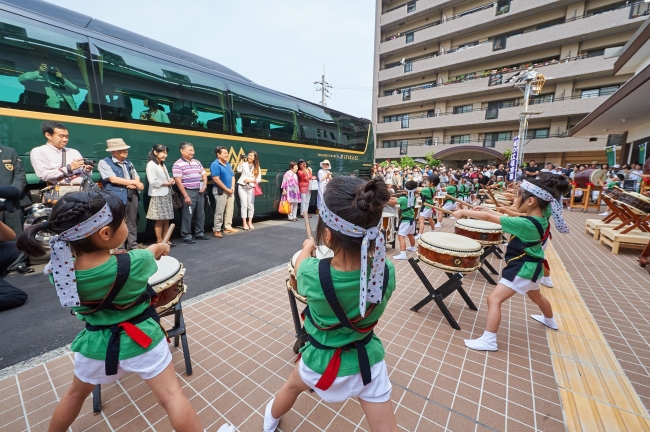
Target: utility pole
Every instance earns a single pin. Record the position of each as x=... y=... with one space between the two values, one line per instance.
x=324 y=85
x=534 y=82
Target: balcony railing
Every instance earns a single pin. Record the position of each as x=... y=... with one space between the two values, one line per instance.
x=638 y=8
x=491 y=113
x=487 y=73
x=442 y=21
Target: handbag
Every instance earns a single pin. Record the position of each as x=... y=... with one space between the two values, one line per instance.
x=52 y=193
x=258 y=190
x=285 y=206
x=313 y=185
x=177 y=201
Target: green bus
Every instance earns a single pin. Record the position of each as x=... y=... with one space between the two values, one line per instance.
x=99 y=80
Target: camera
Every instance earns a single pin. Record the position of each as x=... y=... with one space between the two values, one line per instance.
x=89 y=162
x=52 y=70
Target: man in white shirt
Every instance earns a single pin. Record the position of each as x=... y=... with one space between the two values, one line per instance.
x=52 y=162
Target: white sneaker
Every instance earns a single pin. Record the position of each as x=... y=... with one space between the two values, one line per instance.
x=270 y=423
x=548 y=322
x=411 y=249
x=401 y=256
x=451 y=217
x=226 y=428
x=547 y=282
x=481 y=344
x=417 y=237
x=438 y=225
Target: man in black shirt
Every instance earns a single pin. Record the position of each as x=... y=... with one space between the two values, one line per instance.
x=501 y=172
x=531 y=170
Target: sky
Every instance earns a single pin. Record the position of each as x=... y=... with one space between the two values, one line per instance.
x=280 y=44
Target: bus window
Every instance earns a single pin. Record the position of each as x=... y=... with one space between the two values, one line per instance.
x=137 y=87
x=317 y=126
x=44 y=68
x=260 y=114
x=354 y=133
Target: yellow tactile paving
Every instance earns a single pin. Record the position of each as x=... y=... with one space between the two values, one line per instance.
x=596 y=394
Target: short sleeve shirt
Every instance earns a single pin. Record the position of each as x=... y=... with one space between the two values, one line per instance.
x=191 y=172
x=346 y=286
x=223 y=172
x=403 y=203
x=93 y=284
x=525 y=231
x=531 y=169
x=427 y=194
x=451 y=190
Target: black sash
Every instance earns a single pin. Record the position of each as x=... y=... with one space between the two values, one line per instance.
x=515 y=255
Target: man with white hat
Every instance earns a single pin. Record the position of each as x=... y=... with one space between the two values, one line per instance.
x=119 y=177
x=324 y=176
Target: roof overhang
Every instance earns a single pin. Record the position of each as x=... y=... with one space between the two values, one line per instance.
x=635 y=52
x=627 y=109
x=470 y=148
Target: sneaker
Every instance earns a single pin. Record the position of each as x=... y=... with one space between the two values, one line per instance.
x=189 y=240
x=218 y=234
x=417 y=237
x=438 y=225
x=230 y=230
x=547 y=282
x=481 y=344
x=411 y=249
x=401 y=256
x=604 y=214
x=202 y=237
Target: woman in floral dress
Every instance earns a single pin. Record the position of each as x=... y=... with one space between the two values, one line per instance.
x=291 y=189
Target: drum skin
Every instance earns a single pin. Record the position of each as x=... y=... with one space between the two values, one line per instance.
x=321 y=252
x=485 y=237
x=614 y=193
x=167 y=282
x=581 y=178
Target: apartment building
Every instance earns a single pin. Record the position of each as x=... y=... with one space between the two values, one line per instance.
x=445 y=73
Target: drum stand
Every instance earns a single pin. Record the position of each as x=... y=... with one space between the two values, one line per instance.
x=178 y=331
x=301 y=335
x=455 y=283
x=586 y=197
x=493 y=249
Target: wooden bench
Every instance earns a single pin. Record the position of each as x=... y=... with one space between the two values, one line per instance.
x=594 y=226
x=615 y=239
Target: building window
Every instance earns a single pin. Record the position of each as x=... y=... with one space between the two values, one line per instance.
x=509 y=103
x=537 y=133
x=503 y=6
x=395 y=143
x=406 y=94
x=499 y=43
x=491 y=138
x=408 y=67
x=463 y=109
x=431 y=113
x=410 y=6
x=603 y=91
x=410 y=37
x=389 y=92
x=540 y=99
x=459 y=139
x=595 y=53
x=395 y=118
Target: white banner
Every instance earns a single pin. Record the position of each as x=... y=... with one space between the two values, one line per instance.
x=513 y=160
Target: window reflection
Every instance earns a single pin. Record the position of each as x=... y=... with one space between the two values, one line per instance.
x=43 y=68
x=140 y=88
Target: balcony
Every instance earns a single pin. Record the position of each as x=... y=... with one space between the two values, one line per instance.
x=594 y=67
x=561 y=34
x=559 y=108
x=484 y=17
x=552 y=144
x=422 y=7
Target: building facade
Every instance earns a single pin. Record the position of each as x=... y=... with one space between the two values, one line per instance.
x=445 y=73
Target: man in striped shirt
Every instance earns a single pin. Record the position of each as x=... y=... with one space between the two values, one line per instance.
x=192 y=181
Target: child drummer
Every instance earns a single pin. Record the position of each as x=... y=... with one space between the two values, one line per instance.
x=524 y=255
x=347 y=295
x=406 y=220
x=428 y=193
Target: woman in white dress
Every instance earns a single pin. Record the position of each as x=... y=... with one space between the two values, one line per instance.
x=324 y=176
x=250 y=176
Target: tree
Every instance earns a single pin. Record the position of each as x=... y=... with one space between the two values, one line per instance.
x=507 y=154
x=432 y=161
x=407 y=161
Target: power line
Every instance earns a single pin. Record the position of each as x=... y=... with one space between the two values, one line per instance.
x=324 y=85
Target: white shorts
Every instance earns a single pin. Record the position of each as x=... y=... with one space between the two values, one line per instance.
x=426 y=213
x=147 y=365
x=450 y=206
x=406 y=228
x=343 y=388
x=520 y=285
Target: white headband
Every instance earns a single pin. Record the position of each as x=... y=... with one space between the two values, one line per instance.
x=371 y=290
x=556 y=208
x=61 y=265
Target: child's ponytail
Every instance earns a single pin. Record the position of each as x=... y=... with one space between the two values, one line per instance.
x=27 y=241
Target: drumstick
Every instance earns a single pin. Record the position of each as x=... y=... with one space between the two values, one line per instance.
x=494 y=200
x=305 y=216
x=435 y=207
x=169 y=233
x=459 y=201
